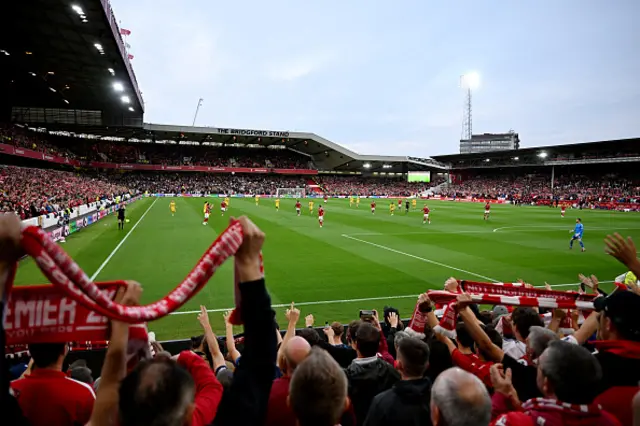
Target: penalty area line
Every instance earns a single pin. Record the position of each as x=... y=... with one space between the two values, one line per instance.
x=115 y=250
x=433 y=262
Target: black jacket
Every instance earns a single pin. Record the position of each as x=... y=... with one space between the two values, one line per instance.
x=406 y=404
x=245 y=403
x=366 y=380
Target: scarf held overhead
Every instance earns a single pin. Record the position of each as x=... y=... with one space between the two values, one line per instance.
x=95 y=300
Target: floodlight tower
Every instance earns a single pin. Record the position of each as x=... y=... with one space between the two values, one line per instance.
x=469 y=82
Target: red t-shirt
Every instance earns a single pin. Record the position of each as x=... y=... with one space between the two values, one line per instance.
x=50 y=397
x=425 y=210
x=208 y=209
x=487 y=206
x=373 y=205
x=223 y=205
x=473 y=365
x=297 y=205
x=278 y=411
x=320 y=212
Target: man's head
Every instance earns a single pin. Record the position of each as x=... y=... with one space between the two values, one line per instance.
x=459 y=398
x=413 y=358
x=578 y=220
x=523 y=319
x=367 y=340
x=538 y=340
x=310 y=335
x=569 y=373
x=618 y=316
x=157 y=392
x=48 y=355
x=338 y=329
x=463 y=338
x=296 y=350
x=318 y=390
x=352 y=331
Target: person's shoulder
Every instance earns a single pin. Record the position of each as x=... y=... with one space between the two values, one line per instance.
x=80 y=388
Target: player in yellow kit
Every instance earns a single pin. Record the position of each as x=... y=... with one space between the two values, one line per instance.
x=392 y=208
x=226 y=200
x=278 y=204
x=358 y=201
x=414 y=203
x=172 y=207
x=257 y=200
x=310 y=207
x=350 y=201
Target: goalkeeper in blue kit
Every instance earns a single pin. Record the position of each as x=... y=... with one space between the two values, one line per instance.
x=577 y=234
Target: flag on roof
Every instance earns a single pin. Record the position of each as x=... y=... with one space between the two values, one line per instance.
x=125 y=32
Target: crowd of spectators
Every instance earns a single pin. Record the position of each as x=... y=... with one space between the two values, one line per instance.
x=335 y=186
x=153 y=153
x=502 y=367
x=531 y=188
x=33 y=192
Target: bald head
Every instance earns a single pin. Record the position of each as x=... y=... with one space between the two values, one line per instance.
x=296 y=350
x=459 y=398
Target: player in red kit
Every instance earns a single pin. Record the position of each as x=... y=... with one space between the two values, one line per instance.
x=425 y=215
x=399 y=206
x=563 y=208
x=223 y=207
x=326 y=199
x=298 y=206
x=207 y=211
x=373 y=207
x=321 y=216
x=487 y=210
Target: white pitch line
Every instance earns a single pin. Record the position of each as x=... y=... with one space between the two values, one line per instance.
x=95 y=275
x=317 y=302
x=329 y=302
x=444 y=265
x=552 y=227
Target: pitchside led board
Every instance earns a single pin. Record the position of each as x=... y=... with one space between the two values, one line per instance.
x=419 y=177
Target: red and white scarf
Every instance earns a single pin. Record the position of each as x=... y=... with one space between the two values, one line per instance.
x=72 y=285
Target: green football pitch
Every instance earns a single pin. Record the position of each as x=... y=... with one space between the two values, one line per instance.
x=357 y=261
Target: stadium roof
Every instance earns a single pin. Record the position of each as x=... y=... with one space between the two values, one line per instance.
x=63 y=55
x=614 y=151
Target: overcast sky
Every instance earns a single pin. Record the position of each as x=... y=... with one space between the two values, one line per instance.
x=382 y=77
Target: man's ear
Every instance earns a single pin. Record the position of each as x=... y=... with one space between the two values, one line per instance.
x=188 y=414
x=289 y=400
x=435 y=415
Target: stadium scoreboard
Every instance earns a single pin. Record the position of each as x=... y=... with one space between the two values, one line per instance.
x=419 y=177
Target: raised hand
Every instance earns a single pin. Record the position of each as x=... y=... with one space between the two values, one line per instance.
x=393 y=320
x=292 y=314
x=203 y=317
x=309 y=320
x=623 y=250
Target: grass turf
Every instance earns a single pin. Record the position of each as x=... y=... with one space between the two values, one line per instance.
x=357 y=261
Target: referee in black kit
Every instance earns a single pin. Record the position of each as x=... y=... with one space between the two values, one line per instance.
x=121 y=217
x=406 y=206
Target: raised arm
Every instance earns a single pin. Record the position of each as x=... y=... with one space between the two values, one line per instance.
x=292 y=315
x=210 y=337
x=230 y=340
x=114 y=369
x=475 y=330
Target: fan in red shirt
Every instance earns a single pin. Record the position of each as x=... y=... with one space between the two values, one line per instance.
x=487 y=210
x=223 y=207
x=47 y=396
x=321 y=216
x=425 y=217
x=373 y=207
x=298 y=206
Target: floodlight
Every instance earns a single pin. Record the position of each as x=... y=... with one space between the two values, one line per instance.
x=487 y=160
x=470 y=80
x=131 y=109
x=543 y=155
x=111 y=71
x=366 y=165
x=516 y=158
x=98 y=46
x=118 y=87
x=77 y=9
x=66 y=101
x=125 y=99
x=52 y=89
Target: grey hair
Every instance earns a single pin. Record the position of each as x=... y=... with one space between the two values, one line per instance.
x=398 y=337
x=538 y=340
x=462 y=399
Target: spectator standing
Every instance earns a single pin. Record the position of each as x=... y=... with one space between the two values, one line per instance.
x=407 y=402
x=47 y=396
x=368 y=375
x=459 y=398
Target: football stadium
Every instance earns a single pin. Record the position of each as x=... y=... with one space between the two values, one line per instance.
x=351 y=240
